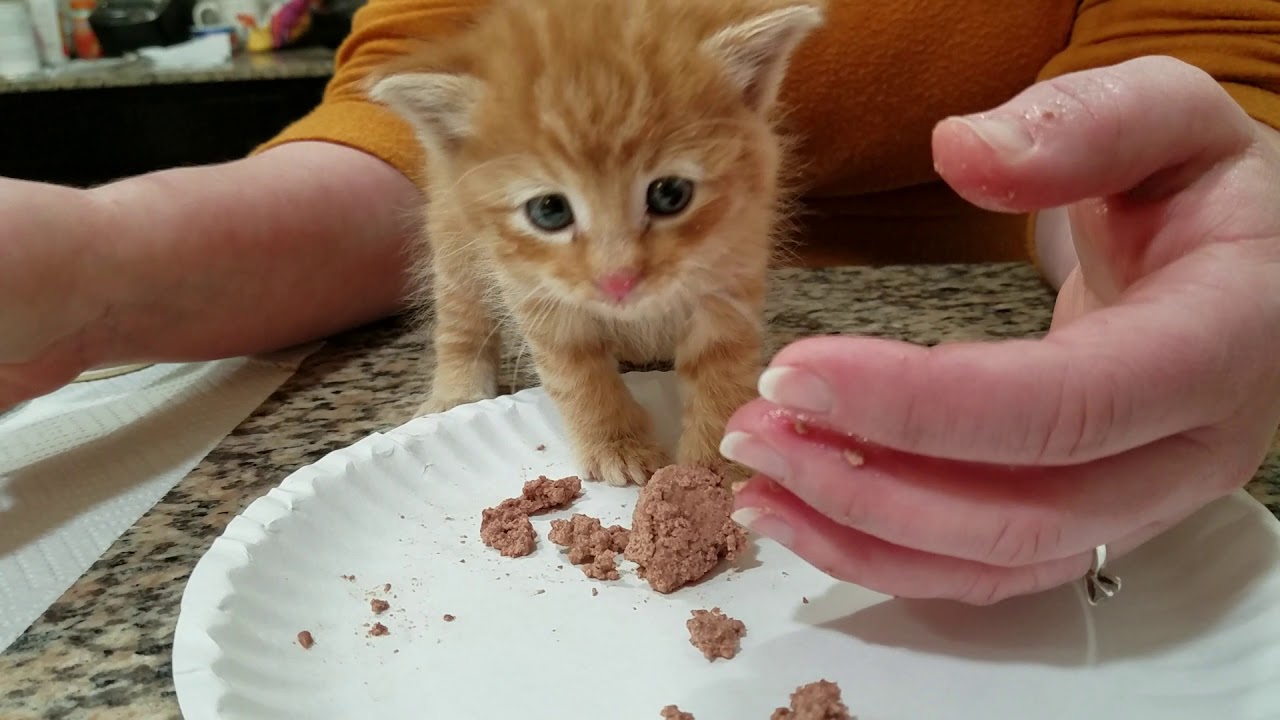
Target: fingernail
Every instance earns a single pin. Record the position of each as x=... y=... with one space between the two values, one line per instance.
x=795 y=389
x=749 y=450
x=1006 y=137
x=764 y=523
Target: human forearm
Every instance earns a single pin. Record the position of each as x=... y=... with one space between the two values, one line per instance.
x=291 y=245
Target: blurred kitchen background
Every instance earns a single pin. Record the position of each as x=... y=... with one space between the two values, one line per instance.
x=93 y=90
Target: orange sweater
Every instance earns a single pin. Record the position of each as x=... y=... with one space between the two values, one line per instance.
x=866 y=90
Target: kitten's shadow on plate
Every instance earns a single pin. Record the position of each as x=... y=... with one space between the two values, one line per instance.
x=1179 y=587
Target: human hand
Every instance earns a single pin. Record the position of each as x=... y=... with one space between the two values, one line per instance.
x=981 y=471
x=51 y=250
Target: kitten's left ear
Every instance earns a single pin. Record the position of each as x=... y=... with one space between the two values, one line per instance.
x=756 y=52
x=437 y=105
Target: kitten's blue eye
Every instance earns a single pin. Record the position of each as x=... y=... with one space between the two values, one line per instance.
x=669 y=195
x=549 y=212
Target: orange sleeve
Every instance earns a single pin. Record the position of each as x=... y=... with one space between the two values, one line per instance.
x=380 y=30
x=1235 y=41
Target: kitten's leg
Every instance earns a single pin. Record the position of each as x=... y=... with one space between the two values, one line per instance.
x=465 y=338
x=610 y=432
x=718 y=361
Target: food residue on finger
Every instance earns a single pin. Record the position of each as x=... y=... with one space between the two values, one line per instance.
x=816 y=701
x=379 y=630
x=379 y=606
x=306 y=640
x=591 y=545
x=506 y=527
x=671 y=712
x=681 y=527
x=717 y=635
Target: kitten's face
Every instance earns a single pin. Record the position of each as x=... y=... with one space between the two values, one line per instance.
x=635 y=216
x=613 y=154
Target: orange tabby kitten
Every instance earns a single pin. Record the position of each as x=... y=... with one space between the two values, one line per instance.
x=606 y=173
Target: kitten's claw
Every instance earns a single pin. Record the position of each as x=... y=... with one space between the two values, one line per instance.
x=623 y=462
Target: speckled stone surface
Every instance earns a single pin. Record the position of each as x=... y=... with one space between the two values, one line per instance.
x=103 y=650
x=284 y=65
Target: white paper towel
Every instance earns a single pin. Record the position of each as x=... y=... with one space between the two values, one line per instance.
x=80 y=466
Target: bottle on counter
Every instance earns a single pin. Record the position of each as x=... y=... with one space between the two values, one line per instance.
x=46 y=17
x=83 y=38
x=19 y=54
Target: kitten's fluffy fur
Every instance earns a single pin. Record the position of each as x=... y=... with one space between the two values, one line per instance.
x=594 y=100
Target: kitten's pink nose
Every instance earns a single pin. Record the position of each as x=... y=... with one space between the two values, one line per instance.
x=617 y=285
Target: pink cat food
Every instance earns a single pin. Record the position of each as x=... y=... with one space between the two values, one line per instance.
x=591 y=545
x=379 y=606
x=506 y=527
x=681 y=529
x=717 y=635
x=671 y=712
x=306 y=640
x=816 y=701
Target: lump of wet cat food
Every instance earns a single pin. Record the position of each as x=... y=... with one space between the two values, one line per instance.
x=816 y=701
x=681 y=528
x=506 y=527
x=508 y=531
x=592 y=546
x=717 y=635
x=671 y=712
x=306 y=640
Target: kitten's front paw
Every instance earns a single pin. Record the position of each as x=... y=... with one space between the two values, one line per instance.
x=620 y=462
x=710 y=458
x=448 y=401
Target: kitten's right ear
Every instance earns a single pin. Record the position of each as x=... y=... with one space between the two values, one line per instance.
x=756 y=52
x=437 y=105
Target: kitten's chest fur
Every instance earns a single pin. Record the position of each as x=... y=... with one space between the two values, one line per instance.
x=642 y=338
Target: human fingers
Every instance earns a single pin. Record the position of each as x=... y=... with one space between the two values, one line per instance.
x=990 y=514
x=1146 y=127
x=1177 y=355
x=856 y=557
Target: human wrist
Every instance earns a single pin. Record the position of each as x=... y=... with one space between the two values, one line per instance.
x=128 y=218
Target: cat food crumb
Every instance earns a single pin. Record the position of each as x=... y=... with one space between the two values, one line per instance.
x=378 y=630
x=379 y=606
x=671 y=712
x=591 y=545
x=449 y=618
x=386 y=587
x=681 y=527
x=541 y=448
x=717 y=635
x=349 y=578
x=805 y=600
x=506 y=527
x=305 y=639
x=595 y=592
x=816 y=701
x=853 y=457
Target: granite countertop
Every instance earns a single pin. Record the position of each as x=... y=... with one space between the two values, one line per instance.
x=313 y=62
x=102 y=651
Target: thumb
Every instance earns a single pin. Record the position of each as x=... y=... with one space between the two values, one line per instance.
x=1145 y=128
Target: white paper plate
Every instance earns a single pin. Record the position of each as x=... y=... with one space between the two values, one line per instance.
x=1195 y=634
